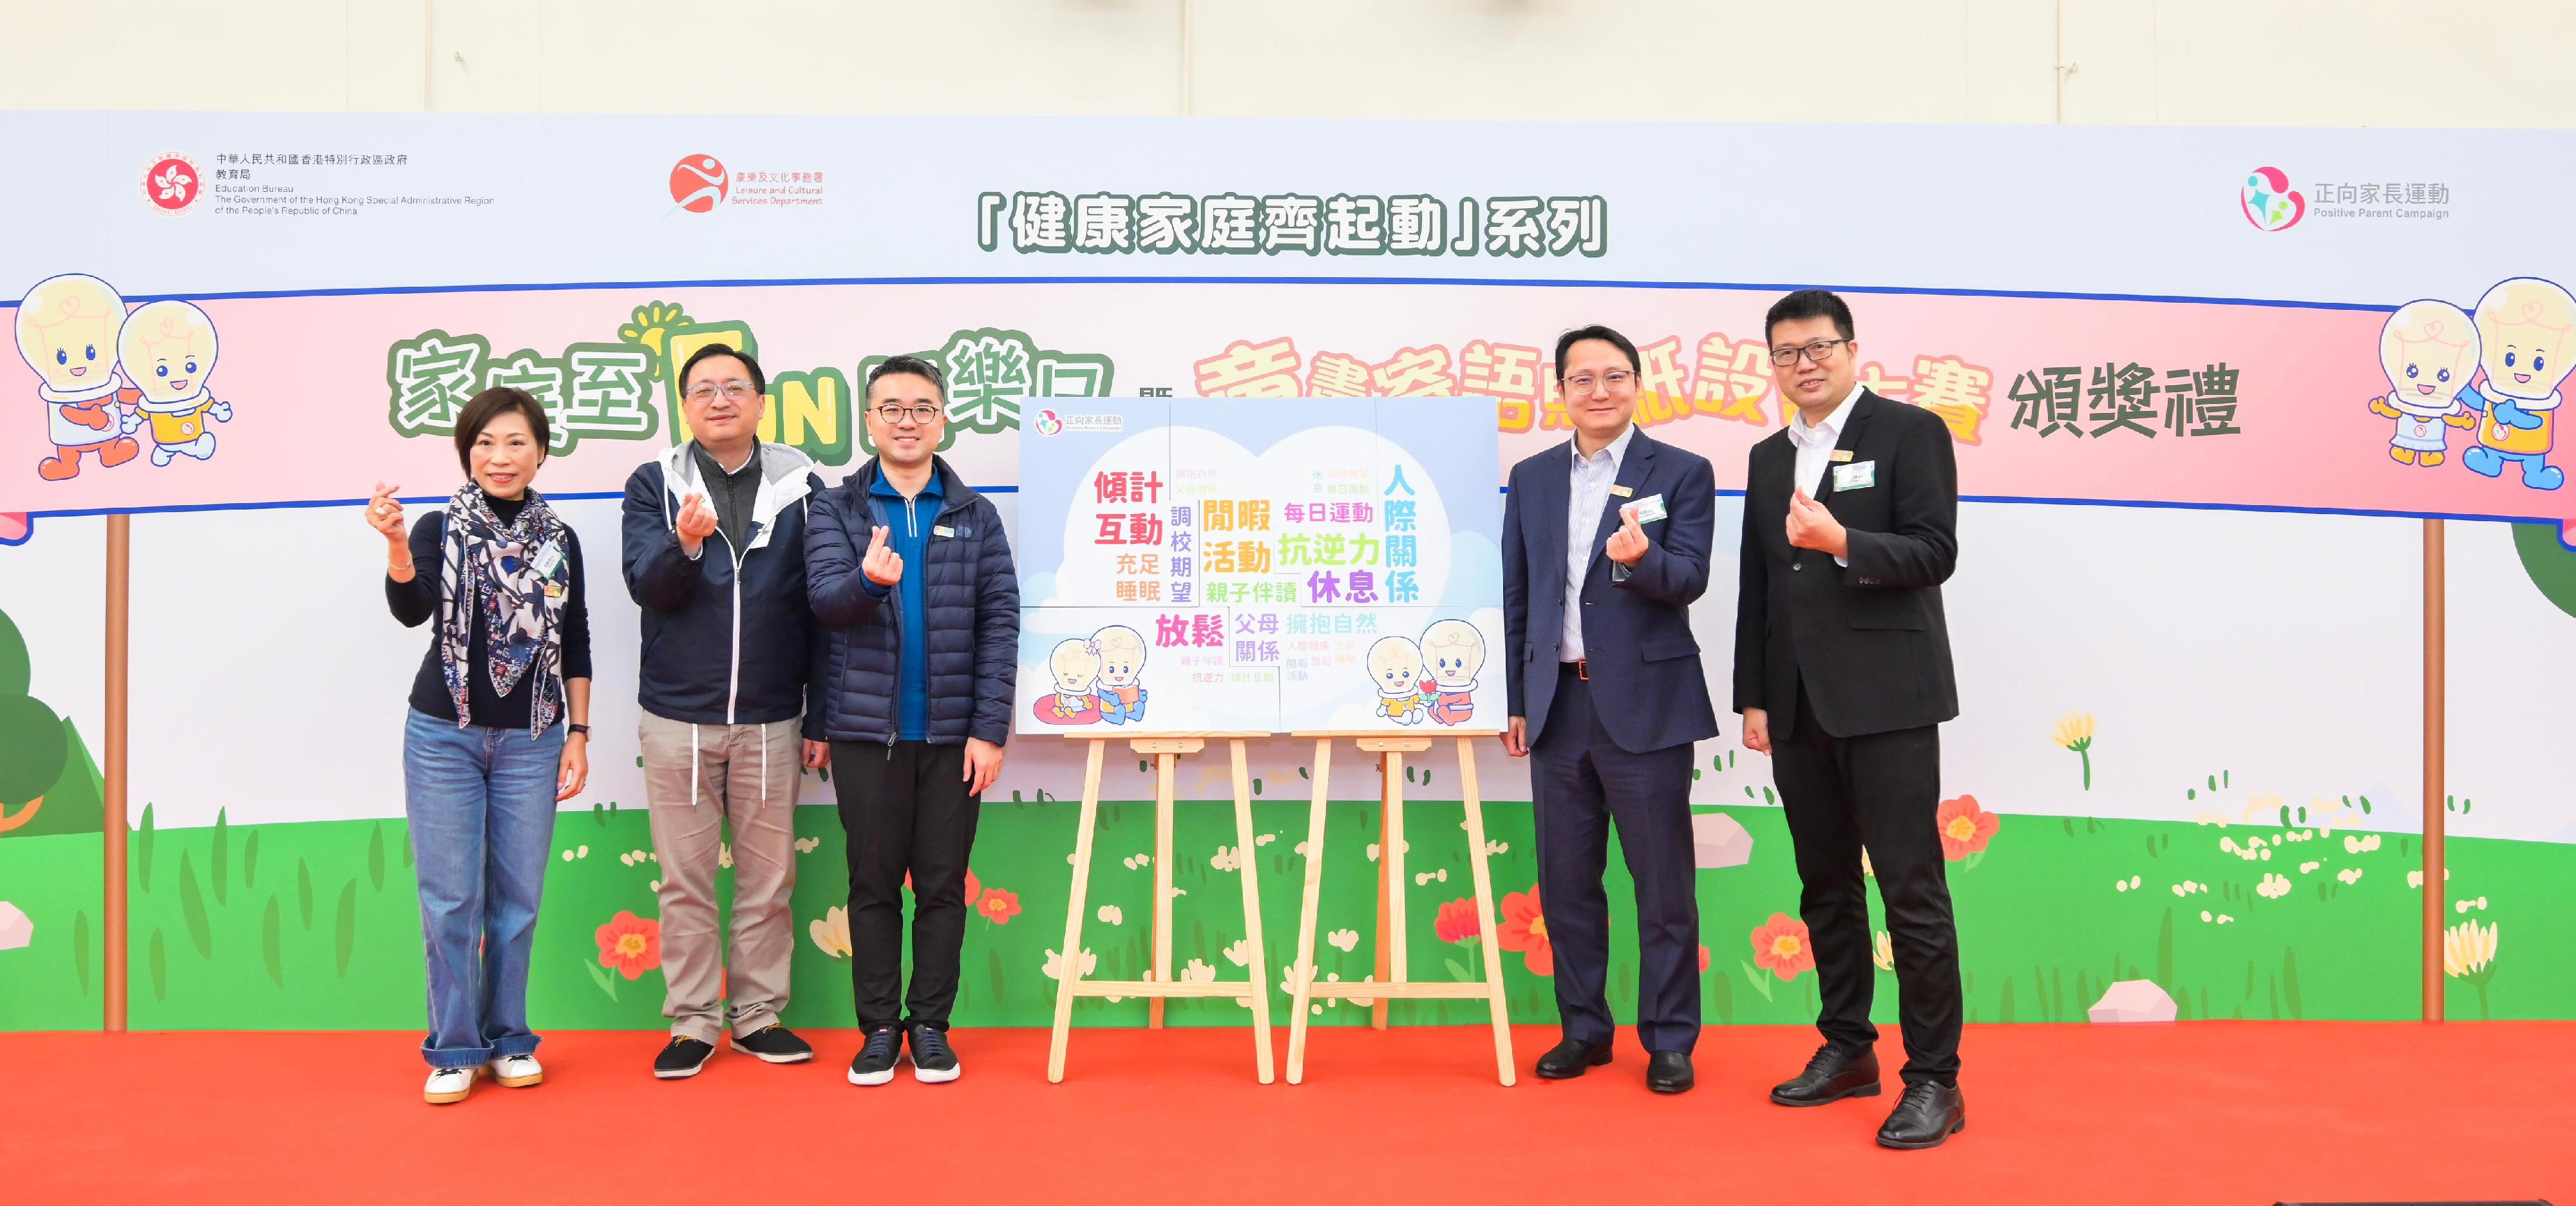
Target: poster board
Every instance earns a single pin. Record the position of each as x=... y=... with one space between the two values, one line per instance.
x=1260 y=566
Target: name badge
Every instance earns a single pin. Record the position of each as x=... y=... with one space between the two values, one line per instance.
x=1623 y=491
x=1649 y=509
x=548 y=558
x=937 y=530
x=1856 y=477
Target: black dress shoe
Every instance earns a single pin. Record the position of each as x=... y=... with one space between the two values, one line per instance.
x=1832 y=1074
x=1668 y=1072
x=1926 y=1116
x=1571 y=1059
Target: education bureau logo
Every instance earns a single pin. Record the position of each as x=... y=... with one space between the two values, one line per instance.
x=699 y=183
x=2269 y=202
x=172 y=183
x=1047 y=423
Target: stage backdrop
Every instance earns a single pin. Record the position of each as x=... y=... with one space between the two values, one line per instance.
x=2203 y=384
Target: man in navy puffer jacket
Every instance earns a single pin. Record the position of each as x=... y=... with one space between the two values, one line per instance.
x=911 y=574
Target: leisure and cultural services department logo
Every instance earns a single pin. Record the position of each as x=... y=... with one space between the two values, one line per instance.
x=2269 y=202
x=699 y=183
x=172 y=183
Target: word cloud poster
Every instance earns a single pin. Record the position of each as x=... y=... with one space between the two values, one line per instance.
x=1270 y=566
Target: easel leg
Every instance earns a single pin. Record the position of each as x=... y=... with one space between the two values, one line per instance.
x=1166 y=768
x=1252 y=915
x=1485 y=907
x=1394 y=973
x=1071 y=969
x=1387 y=765
x=1302 y=972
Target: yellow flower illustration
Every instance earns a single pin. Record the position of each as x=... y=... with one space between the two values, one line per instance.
x=831 y=931
x=2468 y=953
x=1880 y=952
x=2468 y=948
x=2074 y=733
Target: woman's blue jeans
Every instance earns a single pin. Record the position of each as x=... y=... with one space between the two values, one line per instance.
x=481 y=803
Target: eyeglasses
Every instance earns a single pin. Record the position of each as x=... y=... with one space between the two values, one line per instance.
x=1612 y=381
x=734 y=391
x=1819 y=351
x=924 y=413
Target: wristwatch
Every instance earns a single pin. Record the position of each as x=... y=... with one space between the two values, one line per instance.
x=582 y=729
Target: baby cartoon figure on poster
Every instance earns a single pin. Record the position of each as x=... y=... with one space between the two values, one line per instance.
x=1076 y=666
x=168 y=351
x=1121 y=691
x=67 y=331
x=1452 y=653
x=2430 y=349
x=1395 y=669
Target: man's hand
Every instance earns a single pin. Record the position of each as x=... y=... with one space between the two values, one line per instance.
x=697 y=522
x=1757 y=730
x=1516 y=738
x=1629 y=542
x=983 y=762
x=1811 y=526
x=818 y=754
x=884 y=567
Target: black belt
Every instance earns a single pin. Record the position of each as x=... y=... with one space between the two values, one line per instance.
x=1580 y=666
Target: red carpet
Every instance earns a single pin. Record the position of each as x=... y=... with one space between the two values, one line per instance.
x=2209 y=1112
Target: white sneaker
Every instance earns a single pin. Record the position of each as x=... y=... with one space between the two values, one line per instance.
x=448 y=1085
x=515 y=1071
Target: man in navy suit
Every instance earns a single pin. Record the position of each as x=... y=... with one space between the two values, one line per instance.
x=1605 y=545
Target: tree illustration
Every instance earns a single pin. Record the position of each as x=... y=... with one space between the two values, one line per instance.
x=47 y=782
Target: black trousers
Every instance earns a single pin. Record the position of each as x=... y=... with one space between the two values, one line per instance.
x=1879 y=790
x=905 y=810
x=1582 y=782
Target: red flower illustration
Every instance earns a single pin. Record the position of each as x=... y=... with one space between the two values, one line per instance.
x=1457 y=921
x=631 y=944
x=998 y=904
x=1965 y=828
x=1524 y=929
x=1781 y=945
x=974 y=887
x=1703 y=957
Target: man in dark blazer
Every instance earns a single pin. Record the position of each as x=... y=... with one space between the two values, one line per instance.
x=1842 y=672
x=1605 y=545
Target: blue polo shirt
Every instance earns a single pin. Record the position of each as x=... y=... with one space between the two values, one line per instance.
x=908 y=522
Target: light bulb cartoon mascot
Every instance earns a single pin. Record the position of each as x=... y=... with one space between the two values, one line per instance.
x=2527 y=342
x=1452 y=652
x=168 y=352
x=1395 y=666
x=1076 y=666
x=2430 y=349
x=1122 y=666
x=67 y=328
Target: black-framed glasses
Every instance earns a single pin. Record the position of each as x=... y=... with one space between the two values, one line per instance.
x=734 y=391
x=923 y=413
x=1819 y=351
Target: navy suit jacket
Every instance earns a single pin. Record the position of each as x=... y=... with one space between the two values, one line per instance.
x=1637 y=643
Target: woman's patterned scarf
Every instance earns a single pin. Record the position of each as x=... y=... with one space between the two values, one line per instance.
x=516 y=576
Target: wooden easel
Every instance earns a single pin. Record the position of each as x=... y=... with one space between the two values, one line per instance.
x=1166 y=750
x=1391 y=980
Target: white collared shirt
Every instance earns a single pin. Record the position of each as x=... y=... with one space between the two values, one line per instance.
x=1591 y=479
x=1816 y=445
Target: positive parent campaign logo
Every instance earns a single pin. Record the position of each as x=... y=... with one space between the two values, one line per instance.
x=2269 y=202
